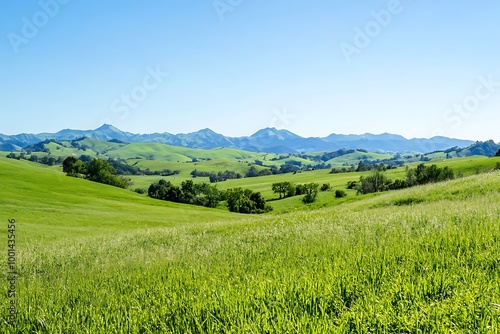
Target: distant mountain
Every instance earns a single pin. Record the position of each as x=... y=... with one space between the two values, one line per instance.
x=266 y=140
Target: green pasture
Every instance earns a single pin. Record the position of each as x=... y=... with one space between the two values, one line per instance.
x=96 y=259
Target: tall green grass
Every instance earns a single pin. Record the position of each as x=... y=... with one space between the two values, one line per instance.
x=424 y=259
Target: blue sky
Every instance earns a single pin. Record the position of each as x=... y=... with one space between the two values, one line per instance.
x=417 y=68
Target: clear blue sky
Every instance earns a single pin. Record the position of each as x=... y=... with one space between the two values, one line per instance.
x=313 y=67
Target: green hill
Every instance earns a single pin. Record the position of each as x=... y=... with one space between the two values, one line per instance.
x=43 y=198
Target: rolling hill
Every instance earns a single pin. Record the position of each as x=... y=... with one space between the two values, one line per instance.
x=98 y=259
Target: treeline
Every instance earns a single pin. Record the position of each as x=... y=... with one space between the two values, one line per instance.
x=291 y=166
x=97 y=170
x=320 y=158
x=288 y=167
x=290 y=189
x=377 y=181
x=122 y=168
x=45 y=160
x=330 y=155
x=363 y=166
x=217 y=177
x=189 y=193
x=237 y=199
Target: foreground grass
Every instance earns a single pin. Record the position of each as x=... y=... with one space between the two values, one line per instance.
x=421 y=260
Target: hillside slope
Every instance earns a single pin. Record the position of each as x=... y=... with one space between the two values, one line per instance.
x=43 y=198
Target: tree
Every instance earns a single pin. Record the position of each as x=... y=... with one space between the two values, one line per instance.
x=291 y=190
x=99 y=170
x=378 y=179
x=68 y=164
x=282 y=188
x=410 y=176
x=73 y=166
x=188 y=192
x=498 y=154
x=252 y=172
x=446 y=173
x=311 y=191
x=246 y=201
x=362 y=167
x=288 y=168
x=206 y=195
x=299 y=190
x=375 y=182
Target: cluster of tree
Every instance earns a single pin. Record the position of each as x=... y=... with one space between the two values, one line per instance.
x=237 y=199
x=97 y=170
x=289 y=189
x=497 y=154
x=122 y=168
x=202 y=194
x=253 y=172
x=284 y=189
x=281 y=157
x=45 y=160
x=332 y=155
x=377 y=181
x=337 y=170
x=367 y=165
x=217 y=177
x=163 y=172
x=291 y=166
x=245 y=201
x=329 y=155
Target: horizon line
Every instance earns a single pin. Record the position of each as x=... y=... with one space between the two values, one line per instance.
x=270 y=128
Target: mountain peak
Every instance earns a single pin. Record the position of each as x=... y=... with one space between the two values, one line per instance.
x=273 y=132
x=206 y=131
x=269 y=139
x=107 y=127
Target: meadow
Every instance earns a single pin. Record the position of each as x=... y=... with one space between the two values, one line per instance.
x=98 y=259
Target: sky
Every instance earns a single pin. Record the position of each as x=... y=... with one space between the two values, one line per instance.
x=418 y=68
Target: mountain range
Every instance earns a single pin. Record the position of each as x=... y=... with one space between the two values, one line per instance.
x=269 y=140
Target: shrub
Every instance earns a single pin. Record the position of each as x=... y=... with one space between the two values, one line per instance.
x=325 y=187
x=340 y=194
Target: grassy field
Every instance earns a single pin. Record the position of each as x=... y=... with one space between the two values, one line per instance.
x=465 y=166
x=98 y=259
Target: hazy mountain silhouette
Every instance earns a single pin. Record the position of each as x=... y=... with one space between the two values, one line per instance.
x=269 y=140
